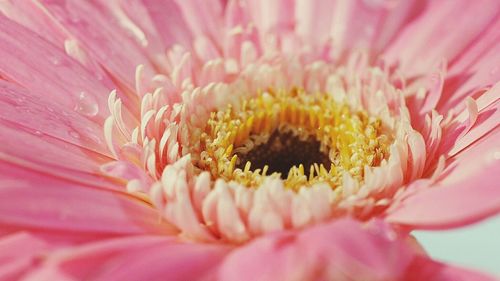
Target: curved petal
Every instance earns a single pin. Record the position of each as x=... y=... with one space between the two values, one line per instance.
x=31 y=15
x=424 y=269
x=26 y=109
x=133 y=258
x=275 y=16
x=33 y=200
x=18 y=253
x=341 y=250
x=475 y=69
x=41 y=134
x=41 y=67
x=371 y=24
x=486 y=121
x=28 y=14
x=437 y=26
x=169 y=22
x=203 y=17
x=468 y=193
x=336 y=251
x=89 y=22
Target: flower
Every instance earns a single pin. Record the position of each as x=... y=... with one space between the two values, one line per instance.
x=291 y=140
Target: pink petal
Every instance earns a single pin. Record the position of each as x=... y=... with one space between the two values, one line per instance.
x=32 y=16
x=341 y=250
x=133 y=17
x=18 y=252
x=105 y=41
x=169 y=22
x=41 y=67
x=133 y=258
x=28 y=14
x=371 y=24
x=398 y=15
x=275 y=16
x=468 y=192
x=425 y=269
x=204 y=18
x=475 y=69
x=486 y=121
x=30 y=199
x=437 y=25
x=236 y=16
x=30 y=110
x=33 y=150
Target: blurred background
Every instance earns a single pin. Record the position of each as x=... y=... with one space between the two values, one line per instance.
x=476 y=246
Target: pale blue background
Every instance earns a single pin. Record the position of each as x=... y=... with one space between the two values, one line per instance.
x=476 y=246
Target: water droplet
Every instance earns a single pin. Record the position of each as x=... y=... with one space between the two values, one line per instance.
x=369 y=30
x=99 y=76
x=86 y=105
x=74 y=134
x=496 y=155
x=380 y=3
x=21 y=100
x=56 y=60
x=74 y=18
x=494 y=70
x=38 y=133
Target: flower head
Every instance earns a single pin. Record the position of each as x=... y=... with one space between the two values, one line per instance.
x=247 y=139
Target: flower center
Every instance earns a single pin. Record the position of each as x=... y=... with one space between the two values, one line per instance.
x=280 y=145
x=283 y=151
x=300 y=137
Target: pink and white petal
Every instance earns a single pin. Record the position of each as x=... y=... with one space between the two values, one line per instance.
x=438 y=25
x=314 y=20
x=133 y=258
x=272 y=17
x=485 y=122
x=108 y=43
x=455 y=203
x=33 y=200
x=241 y=36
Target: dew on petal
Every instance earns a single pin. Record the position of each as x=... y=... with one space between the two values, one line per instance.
x=49 y=109
x=494 y=70
x=74 y=134
x=86 y=105
x=55 y=60
x=496 y=155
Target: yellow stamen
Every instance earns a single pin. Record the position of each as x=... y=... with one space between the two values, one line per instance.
x=350 y=140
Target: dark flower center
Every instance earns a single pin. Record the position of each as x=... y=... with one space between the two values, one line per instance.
x=282 y=151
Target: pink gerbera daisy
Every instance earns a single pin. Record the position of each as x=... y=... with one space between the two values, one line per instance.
x=244 y=140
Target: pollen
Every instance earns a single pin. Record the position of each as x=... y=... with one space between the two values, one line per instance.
x=300 y=137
